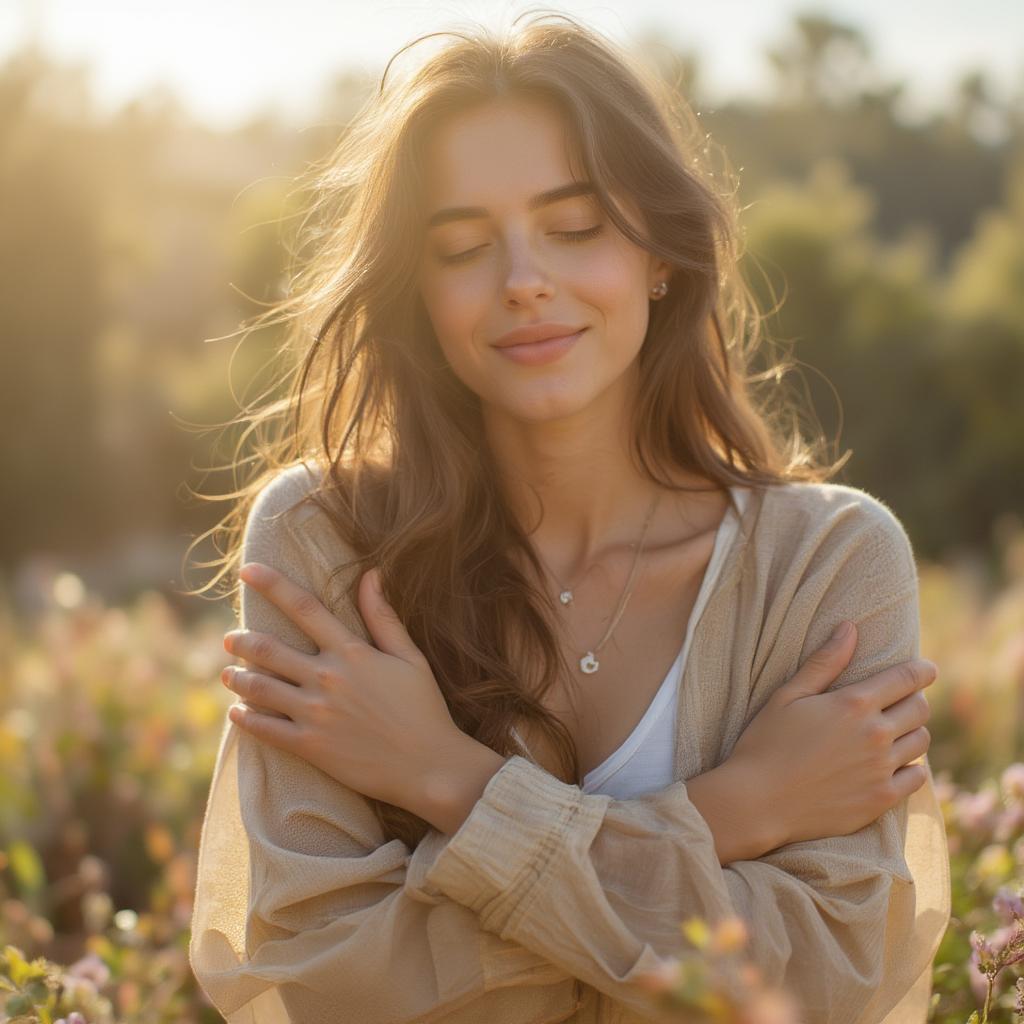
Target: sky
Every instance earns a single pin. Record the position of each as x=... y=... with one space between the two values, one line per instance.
x=230 y=59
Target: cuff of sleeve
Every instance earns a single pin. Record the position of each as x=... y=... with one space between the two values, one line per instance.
x=493 y=862
x=426 y=852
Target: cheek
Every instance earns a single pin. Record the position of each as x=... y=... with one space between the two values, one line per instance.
x=616 y=285
x=456 y=305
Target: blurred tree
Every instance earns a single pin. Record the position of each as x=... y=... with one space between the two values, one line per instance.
x=680 y=69
x=983 y=364
x=51 y=305
x=976 y=110
x=825 y=62
x=132 y=247
x=927 y=394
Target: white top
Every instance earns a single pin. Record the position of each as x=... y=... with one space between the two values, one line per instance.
x=643 y=763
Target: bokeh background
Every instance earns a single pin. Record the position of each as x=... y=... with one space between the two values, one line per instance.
x=147 y=162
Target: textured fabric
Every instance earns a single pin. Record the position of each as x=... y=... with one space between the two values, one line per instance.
x=644 y=761
x=547 y=901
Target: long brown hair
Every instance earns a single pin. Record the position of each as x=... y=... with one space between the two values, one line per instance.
x=407 y=481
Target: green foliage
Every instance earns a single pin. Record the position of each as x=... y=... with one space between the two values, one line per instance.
x=919 y=371
x=899 y=249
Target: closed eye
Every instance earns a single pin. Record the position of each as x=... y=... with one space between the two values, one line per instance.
x=568 y=236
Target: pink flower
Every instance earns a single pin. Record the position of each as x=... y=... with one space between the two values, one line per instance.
x=945 y=789
x=1008 y=905
x=770 y=1006
x=92 y=968
x=1009 y=823
x=1012 y=781
x=662 y=978
x=982 y=950
x=1001 y=938
x=976 y=811
x=730 y=935
x=977 y=980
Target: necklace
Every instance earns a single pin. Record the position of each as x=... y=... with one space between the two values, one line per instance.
x=588 y=662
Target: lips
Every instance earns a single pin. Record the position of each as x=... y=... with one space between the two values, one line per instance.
x=531 y=333
x=540 y=353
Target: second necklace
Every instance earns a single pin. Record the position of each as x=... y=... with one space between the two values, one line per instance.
x=588 y=662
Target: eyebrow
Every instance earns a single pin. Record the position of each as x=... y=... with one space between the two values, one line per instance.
x=554 y=195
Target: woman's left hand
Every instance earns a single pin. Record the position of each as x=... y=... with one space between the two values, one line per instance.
x=371 y=717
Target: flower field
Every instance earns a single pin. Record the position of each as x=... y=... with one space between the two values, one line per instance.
x=109 y=722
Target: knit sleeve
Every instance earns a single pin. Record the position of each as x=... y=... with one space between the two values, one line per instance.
x=301 y=907
x=599 y=886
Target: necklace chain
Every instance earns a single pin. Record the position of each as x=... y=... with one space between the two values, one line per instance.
x=588 y=662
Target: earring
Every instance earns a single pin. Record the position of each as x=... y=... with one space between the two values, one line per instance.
x=659 y=290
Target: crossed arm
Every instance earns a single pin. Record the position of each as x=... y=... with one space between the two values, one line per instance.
x=299 y=892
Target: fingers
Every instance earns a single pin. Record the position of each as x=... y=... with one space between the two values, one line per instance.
x=265 y=651
x=264 y=693
x=823 y=665
x=301 y=606
x=278 y=732
x=907 y=714
x=907 y=779
x=382 y=622
x=893 y=684
x=911 y=746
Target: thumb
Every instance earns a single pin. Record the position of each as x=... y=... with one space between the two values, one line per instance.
x=388 y=632
x=823 y=665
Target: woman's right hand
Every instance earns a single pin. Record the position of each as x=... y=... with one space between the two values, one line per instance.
x=829 y=763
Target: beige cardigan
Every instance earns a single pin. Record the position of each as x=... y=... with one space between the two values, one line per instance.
x=547 y=902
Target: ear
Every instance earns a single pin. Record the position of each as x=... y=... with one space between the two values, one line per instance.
x=658 y=270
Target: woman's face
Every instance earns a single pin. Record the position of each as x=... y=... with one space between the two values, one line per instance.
x=512 y=262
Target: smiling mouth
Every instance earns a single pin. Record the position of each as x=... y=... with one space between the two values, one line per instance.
x=533 y=353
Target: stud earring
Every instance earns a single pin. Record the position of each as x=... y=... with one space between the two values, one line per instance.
x=659 y=290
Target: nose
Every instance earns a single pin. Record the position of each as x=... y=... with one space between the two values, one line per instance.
x=526 y=280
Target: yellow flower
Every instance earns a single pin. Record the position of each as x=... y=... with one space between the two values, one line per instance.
x=696 y=930
x=994 y=862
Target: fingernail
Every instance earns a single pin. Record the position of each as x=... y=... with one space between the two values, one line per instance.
x=842 y=630
x=252 y=572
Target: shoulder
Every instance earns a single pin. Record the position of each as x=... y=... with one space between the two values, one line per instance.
x=289 y=520
x=829 y=503
x=295 y=499
x=828 y=523
x=286 y=492
x=286 y=517
x=821 y=553
x=288 y=529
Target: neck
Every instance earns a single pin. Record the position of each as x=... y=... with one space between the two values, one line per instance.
x=573 y=485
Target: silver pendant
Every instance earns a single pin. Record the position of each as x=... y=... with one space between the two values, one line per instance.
x=565 y=597
x=589 y=664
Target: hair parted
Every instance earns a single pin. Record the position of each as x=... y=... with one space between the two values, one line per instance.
x=369 y=396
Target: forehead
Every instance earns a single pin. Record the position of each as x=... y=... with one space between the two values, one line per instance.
x=503 y=150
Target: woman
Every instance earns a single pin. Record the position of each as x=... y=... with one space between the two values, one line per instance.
x=536 y=610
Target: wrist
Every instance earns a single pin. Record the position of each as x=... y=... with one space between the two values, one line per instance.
x=745 y=824
x=454 y=781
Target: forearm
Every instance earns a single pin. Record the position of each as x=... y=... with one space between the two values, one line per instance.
x=743 y=824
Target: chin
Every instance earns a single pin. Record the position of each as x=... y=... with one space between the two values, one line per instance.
x=544 y=408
